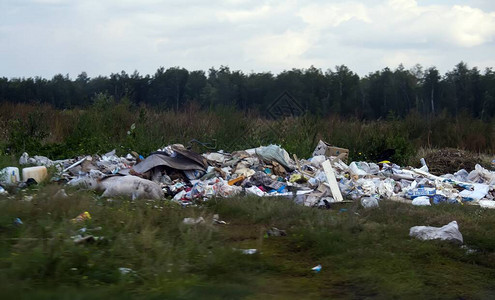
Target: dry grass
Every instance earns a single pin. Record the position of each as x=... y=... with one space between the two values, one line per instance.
x=450 y=160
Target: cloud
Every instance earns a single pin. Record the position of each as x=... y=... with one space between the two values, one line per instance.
x=244 y=15
x=391 y=32
x=280 y=48
x=45 y=37
x=406 y=57
x=472 y=27
x=332 y=15
x=50 y=1
x=404 y=23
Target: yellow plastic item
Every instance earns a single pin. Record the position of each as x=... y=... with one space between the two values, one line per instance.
x=295 y=177
x=299 y=178
x=236 y=180
x=82 y=217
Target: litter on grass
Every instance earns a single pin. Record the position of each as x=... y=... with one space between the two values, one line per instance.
x=449 y=232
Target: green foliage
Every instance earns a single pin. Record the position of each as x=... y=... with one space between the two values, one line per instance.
x=119 y=125
x=299 y=135
x=27 y=134
x=384 y=94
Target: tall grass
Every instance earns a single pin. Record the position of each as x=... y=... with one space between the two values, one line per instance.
x=107 y=125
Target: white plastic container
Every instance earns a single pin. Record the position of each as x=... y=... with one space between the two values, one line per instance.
x=9 y=175
x=37 y=173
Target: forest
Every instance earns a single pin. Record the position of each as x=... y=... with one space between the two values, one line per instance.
x=388 y=93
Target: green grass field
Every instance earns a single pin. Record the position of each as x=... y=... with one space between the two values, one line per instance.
x=364 y=253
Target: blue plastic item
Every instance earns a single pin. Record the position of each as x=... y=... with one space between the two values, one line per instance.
x=437 y=199
x=429 y=192
x=282 y=189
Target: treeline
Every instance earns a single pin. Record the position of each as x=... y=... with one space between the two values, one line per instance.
x=339 y=91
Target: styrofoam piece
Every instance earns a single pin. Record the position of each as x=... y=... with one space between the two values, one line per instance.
x=479 y=192
x=334 y=187
x=487 y=204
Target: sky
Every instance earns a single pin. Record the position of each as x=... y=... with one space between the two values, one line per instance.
x=100 y=37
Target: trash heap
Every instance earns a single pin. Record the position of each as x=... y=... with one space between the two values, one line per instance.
x=187 y=177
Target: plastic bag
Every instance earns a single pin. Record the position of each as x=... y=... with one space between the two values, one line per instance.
x=421 y=201
x=386 y=188
x=449 y=232
x=354 y=169
x=369 y=202
x=482 y=175
x=276 y=153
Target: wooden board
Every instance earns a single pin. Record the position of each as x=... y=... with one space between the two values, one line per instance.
x=332 y=181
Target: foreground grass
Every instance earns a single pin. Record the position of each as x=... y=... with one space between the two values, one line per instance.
x=364 y=253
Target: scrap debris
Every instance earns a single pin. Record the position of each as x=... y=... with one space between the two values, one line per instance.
x=449 y=232
x=184 y=176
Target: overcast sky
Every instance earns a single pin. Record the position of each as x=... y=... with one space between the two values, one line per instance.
x=47 y=37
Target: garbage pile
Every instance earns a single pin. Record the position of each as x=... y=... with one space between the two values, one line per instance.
x=177 y=173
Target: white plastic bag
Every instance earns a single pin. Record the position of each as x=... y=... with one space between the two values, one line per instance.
x=421 y=201
x=369 y=202
x=354 y=169
x=449 y=232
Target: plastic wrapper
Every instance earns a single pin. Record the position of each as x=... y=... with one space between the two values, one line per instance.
x=449 y=232
x=421 y=201
x=369 y=202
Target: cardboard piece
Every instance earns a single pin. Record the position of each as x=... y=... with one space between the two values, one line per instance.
x=324 y=148
x=332 y=181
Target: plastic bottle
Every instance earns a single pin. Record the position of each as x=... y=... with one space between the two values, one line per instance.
x=9 y=175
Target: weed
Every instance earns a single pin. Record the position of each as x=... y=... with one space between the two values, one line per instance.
x=107 y=125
